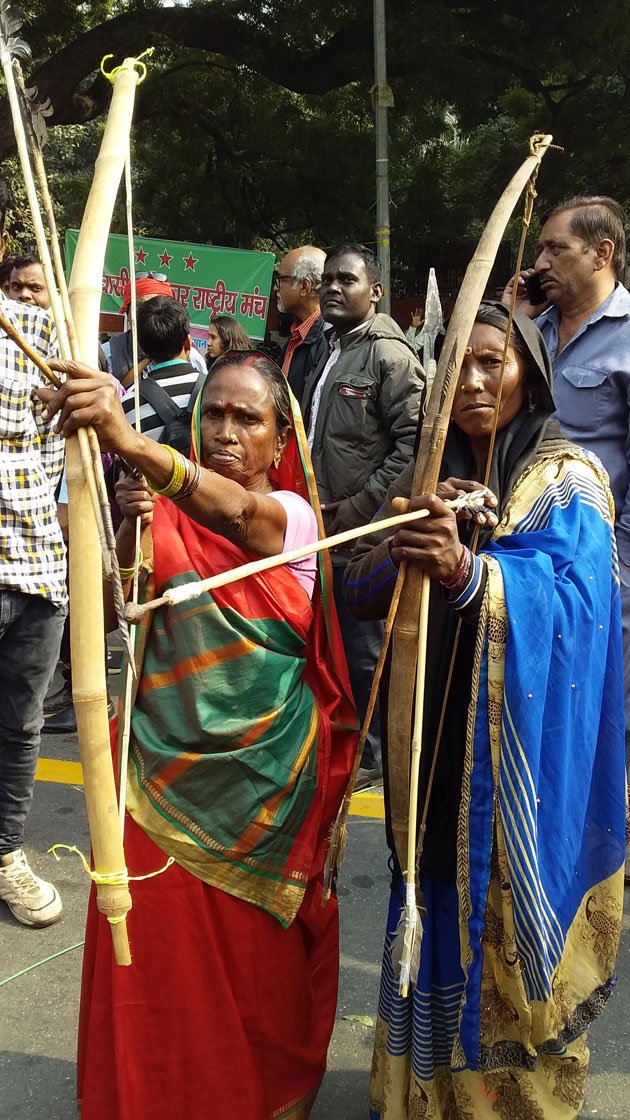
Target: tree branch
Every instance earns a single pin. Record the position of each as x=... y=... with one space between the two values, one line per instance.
x=343 y=58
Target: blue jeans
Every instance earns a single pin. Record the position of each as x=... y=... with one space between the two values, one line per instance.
x=362 y=643
x=30 y=635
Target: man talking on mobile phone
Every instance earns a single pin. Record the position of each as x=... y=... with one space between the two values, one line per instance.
x=584 y=317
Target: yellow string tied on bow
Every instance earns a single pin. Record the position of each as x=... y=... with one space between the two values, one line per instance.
x=111 y=74
x=113 y=879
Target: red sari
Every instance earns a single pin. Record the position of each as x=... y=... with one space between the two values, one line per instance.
x=226 y=1012
x=225 y=1015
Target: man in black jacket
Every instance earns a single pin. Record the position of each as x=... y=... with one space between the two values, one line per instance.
x=297 y=281
x=361 y=407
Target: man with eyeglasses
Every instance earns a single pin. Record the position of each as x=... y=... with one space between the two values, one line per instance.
x=297 y=281
x=118 y=350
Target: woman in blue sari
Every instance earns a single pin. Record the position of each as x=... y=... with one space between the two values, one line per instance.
x=522 y=862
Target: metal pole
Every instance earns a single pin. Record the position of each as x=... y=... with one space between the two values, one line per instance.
x=382 y=100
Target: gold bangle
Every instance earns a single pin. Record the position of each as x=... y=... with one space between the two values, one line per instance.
x=126 y=573
x=178 y=477
x=191 y=483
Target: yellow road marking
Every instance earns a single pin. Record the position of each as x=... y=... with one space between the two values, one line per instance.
x=70 y=773
x=54 y=770
x=368 y=805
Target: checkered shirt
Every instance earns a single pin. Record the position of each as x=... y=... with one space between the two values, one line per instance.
x=32 y=552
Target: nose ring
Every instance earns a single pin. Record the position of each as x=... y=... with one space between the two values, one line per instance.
x=233 y=437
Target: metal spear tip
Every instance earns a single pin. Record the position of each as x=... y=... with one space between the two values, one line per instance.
x=128 y=645
x=39 y=110
x=433 y=317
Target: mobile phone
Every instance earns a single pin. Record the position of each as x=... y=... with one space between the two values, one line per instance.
x=535 y=291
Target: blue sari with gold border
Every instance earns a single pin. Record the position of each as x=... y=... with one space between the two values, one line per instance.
x=519 y=956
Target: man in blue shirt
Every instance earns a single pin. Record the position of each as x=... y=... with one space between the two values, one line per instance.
x=585 y=321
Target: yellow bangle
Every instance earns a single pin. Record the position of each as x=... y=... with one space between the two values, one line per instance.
x=126 y=573
x=178 y=477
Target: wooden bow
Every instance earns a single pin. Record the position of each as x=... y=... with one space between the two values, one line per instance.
x=406 y=609
x=86 y=590
x=413 y=586
x=86 y=610
x=406 y=696
x=86 y=596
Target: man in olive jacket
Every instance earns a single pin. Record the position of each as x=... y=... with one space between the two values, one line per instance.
x=361 y=410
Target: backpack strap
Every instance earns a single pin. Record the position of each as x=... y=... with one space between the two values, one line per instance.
x=153 y=394
x=195 y=391
x=164 y=407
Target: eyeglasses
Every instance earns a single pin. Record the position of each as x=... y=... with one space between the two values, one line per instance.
x=278 y=278
x=151 y=276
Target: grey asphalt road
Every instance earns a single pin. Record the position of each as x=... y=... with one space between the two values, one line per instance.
x=38 y=1008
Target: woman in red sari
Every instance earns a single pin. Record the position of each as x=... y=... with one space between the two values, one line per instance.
x=242 y=738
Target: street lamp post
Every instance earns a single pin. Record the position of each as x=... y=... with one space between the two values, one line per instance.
x=383 y=100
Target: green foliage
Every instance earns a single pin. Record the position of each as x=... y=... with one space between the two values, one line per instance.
x=228 y=148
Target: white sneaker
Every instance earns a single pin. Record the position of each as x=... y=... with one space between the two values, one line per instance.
x=32 y=901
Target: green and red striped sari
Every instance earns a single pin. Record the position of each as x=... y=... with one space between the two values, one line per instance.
x=242 y=744
x=242 y=710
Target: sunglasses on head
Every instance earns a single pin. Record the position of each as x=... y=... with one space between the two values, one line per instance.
x=232 y=357
x=151 y=276
x=242 y=354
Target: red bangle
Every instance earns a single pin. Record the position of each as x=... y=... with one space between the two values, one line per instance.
x=458 y=578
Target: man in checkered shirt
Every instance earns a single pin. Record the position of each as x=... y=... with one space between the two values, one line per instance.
x=33 y=599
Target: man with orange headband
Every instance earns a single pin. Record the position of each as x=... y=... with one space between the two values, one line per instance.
x=118 y=350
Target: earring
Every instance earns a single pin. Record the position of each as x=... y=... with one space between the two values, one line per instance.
x=276 y=459
x=531 y=406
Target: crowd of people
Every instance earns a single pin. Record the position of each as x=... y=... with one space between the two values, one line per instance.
x=245 y=715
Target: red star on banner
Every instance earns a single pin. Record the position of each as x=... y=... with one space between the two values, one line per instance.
x=190 y=261
x=165 y=259
x=141 y=256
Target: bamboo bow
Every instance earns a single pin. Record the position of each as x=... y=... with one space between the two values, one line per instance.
x=89 y=690
x=407 y=675
x=85 y=525
x=410 y=627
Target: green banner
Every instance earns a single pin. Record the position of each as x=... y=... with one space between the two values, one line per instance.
x=206 y=279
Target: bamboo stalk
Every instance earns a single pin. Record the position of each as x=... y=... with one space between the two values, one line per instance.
x=411 y=925
x=21 y=121
x=14 y=334
x=125 y=737
x=34 y=356
x=187 y=591
x=337 y=846
x=28 y=149
x=62 y=312
x=42 y=181
x=433 y=437
x=89 y=690
x=411 y=948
